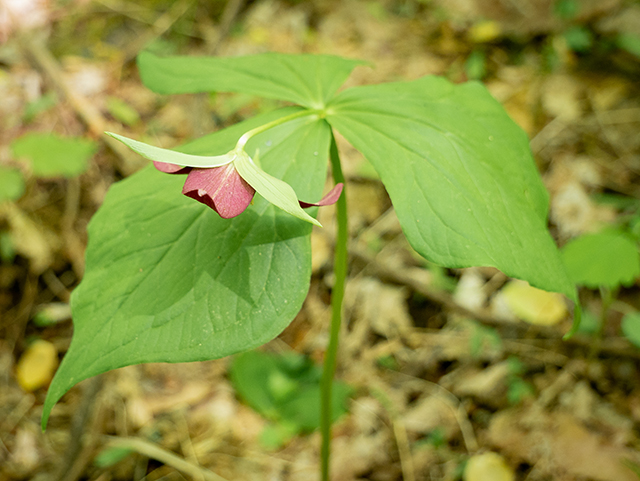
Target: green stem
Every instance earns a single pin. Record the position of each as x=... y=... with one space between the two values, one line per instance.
x=337 y=295
x=242 y=141
x=608 y=296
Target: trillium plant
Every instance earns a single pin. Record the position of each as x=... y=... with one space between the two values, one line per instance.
x=169 y=279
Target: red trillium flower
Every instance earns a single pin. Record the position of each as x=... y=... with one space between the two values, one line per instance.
x=221 y=188
x=227 y=183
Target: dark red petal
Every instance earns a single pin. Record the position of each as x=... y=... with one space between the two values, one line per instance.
x=221 y=188
x=171 y=168
x=331 y=198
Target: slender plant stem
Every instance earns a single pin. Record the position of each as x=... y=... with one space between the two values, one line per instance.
x=607 y=295
x=242 y=141
x=337 y=295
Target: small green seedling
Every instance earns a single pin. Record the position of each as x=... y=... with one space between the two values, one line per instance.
x=47 y=156
x=605 y=261
x=50 y=155
x=285 y=389
x=11 y=184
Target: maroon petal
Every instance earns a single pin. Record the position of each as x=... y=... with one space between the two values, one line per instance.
x=171 y=168
x=221 y=188
x=331 y=198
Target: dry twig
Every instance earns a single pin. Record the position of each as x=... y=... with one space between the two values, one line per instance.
x=154 y=451
x=88 y=113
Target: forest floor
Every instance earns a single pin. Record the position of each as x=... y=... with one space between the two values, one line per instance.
x=444 y=375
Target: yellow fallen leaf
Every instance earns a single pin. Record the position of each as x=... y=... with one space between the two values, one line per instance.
x=487 y=467
x=484 y=31
x=532 y=305
x=37 y=365
x=32 y=240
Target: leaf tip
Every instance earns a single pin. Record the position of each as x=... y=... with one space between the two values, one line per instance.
x=115 y=136
x=46 y=411
x=577 y=318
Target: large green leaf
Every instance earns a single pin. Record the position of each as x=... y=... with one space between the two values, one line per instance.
x=459 y=173
x=308 y=80
x=168 y=280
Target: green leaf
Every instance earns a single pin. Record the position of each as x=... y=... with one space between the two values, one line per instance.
x=590 y=323
x=168 y=280
x=122 y=111
x=276 y=435
x=608 y=259
x=42 y=104
x=459 y=173
x=308 y=80
x=51 y=155
x=7 y=249
x=304 y=408
x=566 y=9
x=476 y=65
x=631 y=327
x=249 y=374
x=629 y=42
x=578 y=38
x=110 y=456
x=11 y=184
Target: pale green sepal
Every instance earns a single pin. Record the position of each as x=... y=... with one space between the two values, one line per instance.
x=276 y=191
x=171 y=156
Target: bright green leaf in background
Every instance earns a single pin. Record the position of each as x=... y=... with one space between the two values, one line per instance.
x=578 y=38
x=476 y=65
x=286 y=390
x=606 y=259
x=630 y=43
x=42 y=104
x=459 y=173
x=7 y=249
x=168 y=280
x=307 y=80
x=631 y=328
x=122 y=111
x=110 y=456
x=11 y=184
x=52 y=156
x=566 y=9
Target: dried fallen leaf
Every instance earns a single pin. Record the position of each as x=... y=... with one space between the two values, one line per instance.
x=488 y=467
x=557 y=442
x=484 y=31
x=25 y=455
x=487 y=385
x=37 y=365
x=429 y=413
x=562 y=97
x=30 y=239
x=469 y=292
x=381 y=307
x=532 y=305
